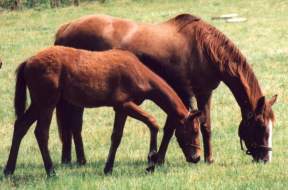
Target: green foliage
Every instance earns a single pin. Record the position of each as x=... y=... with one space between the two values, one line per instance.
x=7 y=4
x=262 y=39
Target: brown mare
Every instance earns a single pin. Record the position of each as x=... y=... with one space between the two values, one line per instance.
x=192 y=56
x=114 y=78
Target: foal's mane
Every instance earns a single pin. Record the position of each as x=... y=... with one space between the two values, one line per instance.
x=220 y=51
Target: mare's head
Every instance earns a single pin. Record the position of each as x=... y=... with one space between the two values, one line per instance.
x=188 y=136
x=0 y=63
x=256 y=130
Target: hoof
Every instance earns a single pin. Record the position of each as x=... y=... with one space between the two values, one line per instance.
x=150 y=169
x=8 y=172
x=108 y=170
x=209 y=160
x=66 y=161
x=51 y=173
x=81 y=162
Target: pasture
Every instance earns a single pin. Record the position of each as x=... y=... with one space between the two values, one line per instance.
x=262 y=39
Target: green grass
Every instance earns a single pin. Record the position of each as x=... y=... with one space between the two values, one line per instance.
x=263 y=39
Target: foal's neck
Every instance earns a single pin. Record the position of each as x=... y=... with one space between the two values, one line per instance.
x=167 y=99
x=244 y=86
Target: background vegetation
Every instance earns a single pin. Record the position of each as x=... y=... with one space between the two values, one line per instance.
x=263 y=39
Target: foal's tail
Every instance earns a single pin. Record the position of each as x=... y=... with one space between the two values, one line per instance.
x=20 y=91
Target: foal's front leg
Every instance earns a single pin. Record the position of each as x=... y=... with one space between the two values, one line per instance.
x=133 y=110
x=119 y=122
x=168 y=133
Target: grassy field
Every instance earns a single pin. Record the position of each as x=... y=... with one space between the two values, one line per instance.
x=263 y=39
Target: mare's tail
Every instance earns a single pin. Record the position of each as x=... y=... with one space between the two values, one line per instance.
x=20 y=91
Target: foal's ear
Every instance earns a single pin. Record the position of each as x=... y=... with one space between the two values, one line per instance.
x=260 y=105
x=273 y=100
x=194 y=114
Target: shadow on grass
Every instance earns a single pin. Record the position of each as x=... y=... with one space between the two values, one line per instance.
x=30 y=172
x=36 y=172
x=25 y=173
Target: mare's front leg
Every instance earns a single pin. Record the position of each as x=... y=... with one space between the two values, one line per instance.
x=134 y=111
x=21 y=127
x=69 y=119
x=204 y=104
x=42 y=136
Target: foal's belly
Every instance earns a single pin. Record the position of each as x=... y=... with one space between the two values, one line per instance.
x=92 y=94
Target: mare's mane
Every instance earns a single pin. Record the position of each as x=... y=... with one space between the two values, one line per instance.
x=220 y=51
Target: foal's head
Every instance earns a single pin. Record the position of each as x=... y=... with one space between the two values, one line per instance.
x=256 y=130
x=188 y=138
x=0 y=63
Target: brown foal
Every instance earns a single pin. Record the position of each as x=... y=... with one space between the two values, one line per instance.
x=113 y=78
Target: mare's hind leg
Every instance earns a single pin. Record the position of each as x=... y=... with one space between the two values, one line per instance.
x=21 y=127
x=42 y=136
x=133 y=110
x=69 y=119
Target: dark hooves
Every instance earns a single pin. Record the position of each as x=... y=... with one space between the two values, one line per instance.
x=8 y=172
x=108 y=170
x=81 y=162
x=209 y=161
x=150 y=169
x=51 y=173
x=152 y=161
x=66 y=162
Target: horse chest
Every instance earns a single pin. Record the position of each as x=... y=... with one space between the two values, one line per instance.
x=203 y=80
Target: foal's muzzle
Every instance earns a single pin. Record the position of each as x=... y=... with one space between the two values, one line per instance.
x=191 y=156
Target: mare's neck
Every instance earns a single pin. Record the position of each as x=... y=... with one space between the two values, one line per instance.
x=245 y=88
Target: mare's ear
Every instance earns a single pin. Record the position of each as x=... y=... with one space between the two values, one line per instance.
x=194 y=114
x=273 y=100
x=260 y=105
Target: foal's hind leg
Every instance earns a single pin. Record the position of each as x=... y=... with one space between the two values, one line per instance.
x=133 y=110
x=42 y=136
x=21 y=127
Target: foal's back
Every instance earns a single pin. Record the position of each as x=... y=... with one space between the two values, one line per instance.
x=87 y=79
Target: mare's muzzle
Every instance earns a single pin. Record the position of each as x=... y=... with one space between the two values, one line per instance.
x=258 y=152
